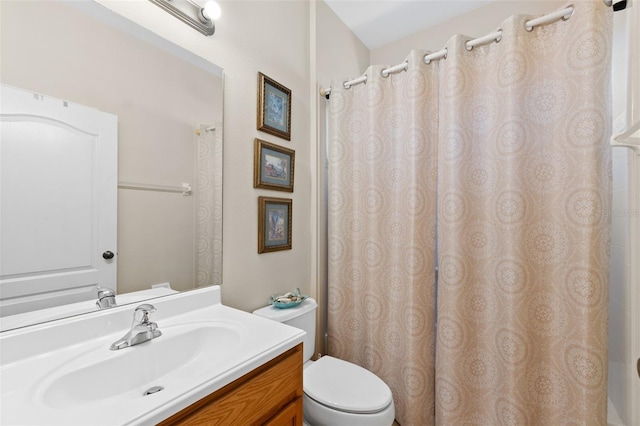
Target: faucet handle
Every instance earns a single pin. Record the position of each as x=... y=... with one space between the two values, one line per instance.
x=106 y=298
x=142 y=312
x=105 y=292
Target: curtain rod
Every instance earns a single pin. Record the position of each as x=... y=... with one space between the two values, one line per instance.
x=496 y=36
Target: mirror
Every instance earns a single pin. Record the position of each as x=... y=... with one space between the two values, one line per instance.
x=169 y=107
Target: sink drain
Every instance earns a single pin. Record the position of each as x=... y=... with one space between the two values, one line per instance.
x=153 y=390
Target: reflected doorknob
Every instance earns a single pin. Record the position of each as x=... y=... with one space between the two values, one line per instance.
x=108 y=255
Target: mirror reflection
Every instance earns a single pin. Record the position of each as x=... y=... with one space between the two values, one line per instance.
x=167 y=226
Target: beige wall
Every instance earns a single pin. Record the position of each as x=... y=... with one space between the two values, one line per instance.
x=57 y=50
x=251 y=36
x=273 y=37
x=338 y=53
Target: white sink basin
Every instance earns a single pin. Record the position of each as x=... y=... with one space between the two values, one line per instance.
x=63 y=372
x=100 y=376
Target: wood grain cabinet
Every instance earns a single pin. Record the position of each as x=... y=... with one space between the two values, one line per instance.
x=270 y=395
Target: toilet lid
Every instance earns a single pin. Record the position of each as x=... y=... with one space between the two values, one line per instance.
x=344 y=386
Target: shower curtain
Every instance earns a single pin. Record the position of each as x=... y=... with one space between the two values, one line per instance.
x=524 y=191
x=382 y=208
x=208 y=261
x=523 y=199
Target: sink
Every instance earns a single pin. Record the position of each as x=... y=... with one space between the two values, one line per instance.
x=100 y=376
x=63 y=372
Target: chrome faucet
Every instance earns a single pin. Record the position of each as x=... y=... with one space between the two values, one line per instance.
x=106 y=298
x=141 y=329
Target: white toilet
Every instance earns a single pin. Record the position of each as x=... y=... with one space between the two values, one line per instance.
x=336 y=392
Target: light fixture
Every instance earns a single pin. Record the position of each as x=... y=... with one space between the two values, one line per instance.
x=211 y=11
x=191 y=13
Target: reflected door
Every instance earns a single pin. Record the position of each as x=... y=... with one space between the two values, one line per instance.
x=58 y=201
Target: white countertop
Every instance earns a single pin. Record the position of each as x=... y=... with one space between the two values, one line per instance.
x=58 y=312
x=32 y=357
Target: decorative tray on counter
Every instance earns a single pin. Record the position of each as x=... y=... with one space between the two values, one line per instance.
x=287 y=300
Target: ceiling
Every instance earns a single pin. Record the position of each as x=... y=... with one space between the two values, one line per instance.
x=379 y=22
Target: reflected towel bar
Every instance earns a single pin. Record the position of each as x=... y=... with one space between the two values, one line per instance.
x=185 y=189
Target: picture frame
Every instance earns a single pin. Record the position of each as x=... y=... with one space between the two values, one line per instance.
x=274 y=107
x=273 y=166
x=274 y=224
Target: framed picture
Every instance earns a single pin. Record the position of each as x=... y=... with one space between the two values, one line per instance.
x=273 y=166
x=274 y=224
x=274 y=107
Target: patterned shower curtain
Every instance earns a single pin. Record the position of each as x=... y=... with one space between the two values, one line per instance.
x=382 y=209
x=523 y=226
x=523 y=199
x=208 y=194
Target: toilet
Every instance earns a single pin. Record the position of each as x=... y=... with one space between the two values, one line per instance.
x=336 y=392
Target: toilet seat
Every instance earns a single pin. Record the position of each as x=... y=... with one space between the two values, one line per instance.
x=347 y=387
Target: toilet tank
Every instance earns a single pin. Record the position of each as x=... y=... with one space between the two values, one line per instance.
x=302 y=316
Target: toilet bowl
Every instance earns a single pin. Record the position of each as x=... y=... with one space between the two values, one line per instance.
x=336 y=392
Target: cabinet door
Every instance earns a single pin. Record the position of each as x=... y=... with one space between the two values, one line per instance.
x=260 y=397
x=291 y=415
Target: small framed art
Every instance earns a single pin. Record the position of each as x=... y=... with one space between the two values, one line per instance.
x=273 y=166
x=274 y=224
x=274 y=107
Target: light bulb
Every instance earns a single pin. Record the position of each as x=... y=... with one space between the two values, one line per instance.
x=211 y=10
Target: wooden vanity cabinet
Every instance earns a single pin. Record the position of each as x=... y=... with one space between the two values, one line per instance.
x=270 y=395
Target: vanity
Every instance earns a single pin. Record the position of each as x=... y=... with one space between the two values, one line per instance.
x=212 y=365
